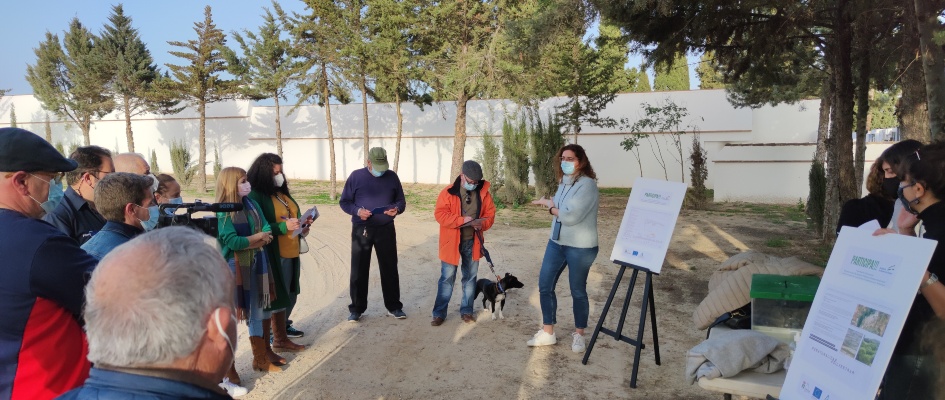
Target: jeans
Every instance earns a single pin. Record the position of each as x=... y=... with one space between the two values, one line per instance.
x=448 y=275
x=256 y=312
x=578 y=261
x=289 y=267
x=383 y=239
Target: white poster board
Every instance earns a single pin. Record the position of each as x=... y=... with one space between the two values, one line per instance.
x=648 y=223
x=857 y=315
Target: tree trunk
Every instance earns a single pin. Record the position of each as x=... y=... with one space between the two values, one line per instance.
x=862 y=101
x=128 y=134
x=459 y=137
x=202 y=164
x=823 y=125
x=400 y=131
x=278 y=127
x=912 y=107
x=85 y=124
x=933 y=62
x=363 y=85
x=840 y=166
x=332 y=177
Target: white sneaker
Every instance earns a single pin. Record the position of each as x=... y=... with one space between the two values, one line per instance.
x=233 y=389
x=543 y=338
x=577 y=345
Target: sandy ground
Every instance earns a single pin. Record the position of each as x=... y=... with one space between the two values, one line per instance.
x=385 y=358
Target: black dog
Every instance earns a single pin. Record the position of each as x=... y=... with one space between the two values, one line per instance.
x=491 y=292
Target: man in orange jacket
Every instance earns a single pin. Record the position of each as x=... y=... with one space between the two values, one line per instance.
x=462 y=209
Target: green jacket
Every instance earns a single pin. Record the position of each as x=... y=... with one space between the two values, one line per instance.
x=229 y=240
x=272 y=249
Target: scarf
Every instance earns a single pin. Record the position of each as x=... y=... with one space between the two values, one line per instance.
x=251 y=264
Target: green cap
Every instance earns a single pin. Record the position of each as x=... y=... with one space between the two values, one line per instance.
x=378 y=158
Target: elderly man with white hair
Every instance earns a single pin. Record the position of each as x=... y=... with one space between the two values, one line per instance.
x=159 y=318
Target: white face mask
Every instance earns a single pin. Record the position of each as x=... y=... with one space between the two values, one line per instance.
x=279 y=180
x=226 y=336
x=244 y=189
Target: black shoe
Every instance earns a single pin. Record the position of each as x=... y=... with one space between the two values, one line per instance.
x=293 y=333
x=354 y=317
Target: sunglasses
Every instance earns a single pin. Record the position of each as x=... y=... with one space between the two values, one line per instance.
x=468 y=199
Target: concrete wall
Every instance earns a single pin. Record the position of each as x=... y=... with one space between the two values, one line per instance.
x=773 y=169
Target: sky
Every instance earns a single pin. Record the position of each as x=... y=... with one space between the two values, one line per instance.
x=26 y=23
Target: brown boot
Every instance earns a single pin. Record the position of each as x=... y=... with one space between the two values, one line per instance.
x=260 y=361
x=273 y=358
x=232 y=375
x=280 y=341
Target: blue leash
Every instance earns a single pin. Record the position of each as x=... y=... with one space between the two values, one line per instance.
x=482 y=248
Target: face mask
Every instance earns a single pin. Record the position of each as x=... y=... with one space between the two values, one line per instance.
x=245 y=188
x=468 y=186
x=154 y=182
x=567 y=167
x=891 y=186
x=905 y=202
x=279 y=180
x=52 y=200
x=152 y=221
x=216 y=319
x=376 y=173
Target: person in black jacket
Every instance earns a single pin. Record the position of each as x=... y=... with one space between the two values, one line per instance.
x=877 y=204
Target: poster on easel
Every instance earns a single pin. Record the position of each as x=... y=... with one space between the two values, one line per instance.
x=648 y=223
x=857 y=315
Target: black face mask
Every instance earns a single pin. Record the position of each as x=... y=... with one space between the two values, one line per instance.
x=906 y=202
x=891 y=187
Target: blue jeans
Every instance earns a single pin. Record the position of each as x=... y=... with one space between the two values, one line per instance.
x=448 y=275
x=578 y=261
x=256 y=312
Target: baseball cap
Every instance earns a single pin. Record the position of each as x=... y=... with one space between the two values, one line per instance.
x=378 y=158
x=22 y=150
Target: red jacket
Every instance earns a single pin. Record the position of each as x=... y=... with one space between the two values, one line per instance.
x=449 y=213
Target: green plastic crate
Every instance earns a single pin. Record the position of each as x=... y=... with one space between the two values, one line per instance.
x=780 y=304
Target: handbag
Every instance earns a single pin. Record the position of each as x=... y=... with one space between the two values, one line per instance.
x=303 y=245
x=739 y=318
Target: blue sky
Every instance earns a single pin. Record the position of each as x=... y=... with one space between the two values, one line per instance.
x=26 y=22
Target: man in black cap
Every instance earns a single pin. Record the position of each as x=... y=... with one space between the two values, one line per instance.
x=373 y=196
x=42 y=345
x=462 y=209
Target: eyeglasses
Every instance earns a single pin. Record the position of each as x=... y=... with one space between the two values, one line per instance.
x=569 y=159
x=468 y=199
x=917 y=156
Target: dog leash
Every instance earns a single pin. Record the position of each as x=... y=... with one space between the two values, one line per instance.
x=482 y=248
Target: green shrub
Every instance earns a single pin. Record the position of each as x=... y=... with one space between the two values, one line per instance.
x=546 y=139
x=698 y=173
x=154 y=164
x=184 y=168
x=491 y=159
x=514 y=190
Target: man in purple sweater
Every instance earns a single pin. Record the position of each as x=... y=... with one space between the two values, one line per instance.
x=373 y=196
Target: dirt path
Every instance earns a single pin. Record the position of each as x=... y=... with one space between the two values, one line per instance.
x=381 y=357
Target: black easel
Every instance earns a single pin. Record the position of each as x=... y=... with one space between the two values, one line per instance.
x=647 y=300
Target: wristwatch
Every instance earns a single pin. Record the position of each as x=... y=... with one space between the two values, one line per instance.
x=928 y=282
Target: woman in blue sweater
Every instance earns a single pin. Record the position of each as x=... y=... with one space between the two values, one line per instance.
x=573 y=244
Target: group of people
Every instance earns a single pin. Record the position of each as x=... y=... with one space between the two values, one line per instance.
x=100 y=303
x=906 y=185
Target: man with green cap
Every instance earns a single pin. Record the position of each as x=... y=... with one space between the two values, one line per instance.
x=373 y=196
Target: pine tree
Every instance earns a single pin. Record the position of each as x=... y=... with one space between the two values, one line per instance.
x=672 y=77
x=709 y=78
x=154 y=162
x=266 y=67
x=357 y=56
x=315 y=41
x=133 y=70
x=71 y=78
x=642 y=82
x=48 y=127
x=199 y=82
x=13 y=115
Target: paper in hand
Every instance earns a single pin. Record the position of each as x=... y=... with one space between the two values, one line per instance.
x=871 y=226
x=473 y=222
x=381 y=210
x=312 y=212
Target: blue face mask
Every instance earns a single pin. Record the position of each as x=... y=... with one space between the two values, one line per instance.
x=567 y=167
x=55 y=195
x=152 y=221
x=469 y=186
x=376 y=173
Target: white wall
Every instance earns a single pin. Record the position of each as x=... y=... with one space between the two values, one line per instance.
x=243 y=130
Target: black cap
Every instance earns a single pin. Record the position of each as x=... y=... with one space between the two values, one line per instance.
x=22 y=150
x=472 y=170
